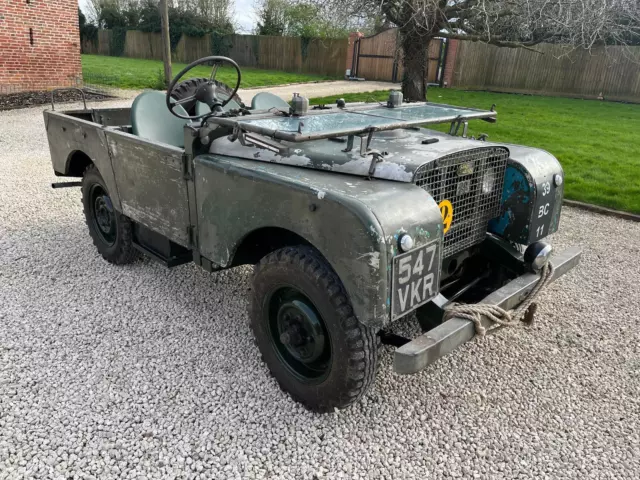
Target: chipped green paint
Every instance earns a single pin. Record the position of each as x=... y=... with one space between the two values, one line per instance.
x=422 y=233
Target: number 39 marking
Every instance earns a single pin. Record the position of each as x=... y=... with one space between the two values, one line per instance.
x=546 y=188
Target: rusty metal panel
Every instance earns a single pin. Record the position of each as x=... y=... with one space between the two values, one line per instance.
x=151 y=184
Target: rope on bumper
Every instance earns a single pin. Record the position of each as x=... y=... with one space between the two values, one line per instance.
x=496 y=314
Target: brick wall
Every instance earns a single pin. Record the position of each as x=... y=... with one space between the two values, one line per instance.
x=39 y=45
x=449 y=66
x=353 y=37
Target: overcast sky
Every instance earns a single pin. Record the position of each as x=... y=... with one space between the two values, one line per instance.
x=243 y=14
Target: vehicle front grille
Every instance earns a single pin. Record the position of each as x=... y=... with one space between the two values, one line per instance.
x=472 y=180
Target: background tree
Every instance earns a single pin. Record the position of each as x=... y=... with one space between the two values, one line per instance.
x=193 y=17
x=272 y=17
x=218 y=12
x=505 y=23
x=88 y=31
x=300 y=18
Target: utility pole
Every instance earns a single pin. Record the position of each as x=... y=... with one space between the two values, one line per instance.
x=166 y=41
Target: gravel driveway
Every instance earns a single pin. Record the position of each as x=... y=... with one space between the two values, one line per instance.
x=318 y=89
x=142 y=372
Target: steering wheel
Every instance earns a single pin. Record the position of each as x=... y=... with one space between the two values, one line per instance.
x=205 y=93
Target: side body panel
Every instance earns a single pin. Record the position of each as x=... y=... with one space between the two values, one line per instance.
x=352 y=221
x=68 y=135
x=151 y=184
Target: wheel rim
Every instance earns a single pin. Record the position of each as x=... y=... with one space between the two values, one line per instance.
x=299 y=335
x=103 y=215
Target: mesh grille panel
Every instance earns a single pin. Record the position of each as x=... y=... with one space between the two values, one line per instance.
x=472 y=181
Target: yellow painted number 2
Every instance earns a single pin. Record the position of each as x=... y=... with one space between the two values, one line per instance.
x=446 y=210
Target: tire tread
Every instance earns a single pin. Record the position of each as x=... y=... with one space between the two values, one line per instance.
x=362 y=341
x=125 y=253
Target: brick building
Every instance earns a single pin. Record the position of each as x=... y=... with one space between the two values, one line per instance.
x=39 y=45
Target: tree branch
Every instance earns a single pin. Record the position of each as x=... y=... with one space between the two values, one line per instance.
x=495 y=40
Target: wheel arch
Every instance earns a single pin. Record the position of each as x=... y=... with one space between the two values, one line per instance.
x=77 y=162
x=260 y=242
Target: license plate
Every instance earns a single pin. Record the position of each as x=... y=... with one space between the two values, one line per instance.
x=415 y=279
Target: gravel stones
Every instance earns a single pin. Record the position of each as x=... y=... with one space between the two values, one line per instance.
x=142 y=372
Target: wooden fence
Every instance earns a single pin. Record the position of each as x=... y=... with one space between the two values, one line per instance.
x=613 y=74
x=379 y=57
x=292 y=54
x=102 y=45
x=143 y=45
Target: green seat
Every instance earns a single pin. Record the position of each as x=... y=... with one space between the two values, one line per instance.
x=151 y=119
x=266 y=100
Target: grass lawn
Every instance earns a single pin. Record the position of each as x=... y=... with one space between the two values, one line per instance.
x=134 y=73
x=598 y=143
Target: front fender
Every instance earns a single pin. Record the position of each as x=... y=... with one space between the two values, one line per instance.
x=531 y=196
x=352 y=221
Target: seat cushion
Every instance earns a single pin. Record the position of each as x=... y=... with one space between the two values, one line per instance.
x=151 y=119
x=266 y=100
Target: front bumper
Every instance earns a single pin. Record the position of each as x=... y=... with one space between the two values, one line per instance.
x=446 y=337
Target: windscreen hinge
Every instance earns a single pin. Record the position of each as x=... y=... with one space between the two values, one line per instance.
x=192 y=235
x=187 y=166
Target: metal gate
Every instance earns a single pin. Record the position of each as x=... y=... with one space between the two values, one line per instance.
x=378 y=57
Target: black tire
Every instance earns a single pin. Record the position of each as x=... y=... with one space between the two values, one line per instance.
x=330 y=382
x=110 y=231
x=187 y=88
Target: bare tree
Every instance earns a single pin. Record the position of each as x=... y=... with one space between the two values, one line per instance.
x=218 y=12
x=505 y=23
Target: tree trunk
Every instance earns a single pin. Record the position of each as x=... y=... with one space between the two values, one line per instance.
x=415 y=59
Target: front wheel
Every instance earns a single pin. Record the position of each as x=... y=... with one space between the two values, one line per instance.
x=110 y=231
x=307 y=332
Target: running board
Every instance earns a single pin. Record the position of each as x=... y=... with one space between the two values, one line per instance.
x=169 y=262
x=160 y=248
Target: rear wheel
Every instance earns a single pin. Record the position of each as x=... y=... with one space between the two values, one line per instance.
x=109 y=229
x=307 y=333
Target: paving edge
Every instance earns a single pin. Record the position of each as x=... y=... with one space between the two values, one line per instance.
x=602 y=210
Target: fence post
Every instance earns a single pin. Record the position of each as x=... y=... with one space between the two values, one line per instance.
x=351 y=60
x=166 y=41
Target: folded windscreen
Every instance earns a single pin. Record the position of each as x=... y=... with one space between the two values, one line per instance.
x=356 y=120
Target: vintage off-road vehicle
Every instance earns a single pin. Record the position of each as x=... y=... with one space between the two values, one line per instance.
x=354 y=215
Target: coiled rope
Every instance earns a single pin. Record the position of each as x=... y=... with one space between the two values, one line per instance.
x=496 y=314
